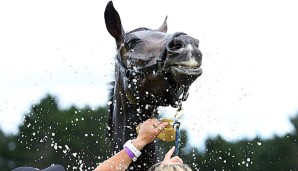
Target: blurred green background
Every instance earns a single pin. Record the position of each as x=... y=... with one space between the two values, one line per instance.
x=76 y=138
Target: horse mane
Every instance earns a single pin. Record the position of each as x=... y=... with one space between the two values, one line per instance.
x=110 y=108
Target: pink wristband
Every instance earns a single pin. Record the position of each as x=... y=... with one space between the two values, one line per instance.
x=130 y=154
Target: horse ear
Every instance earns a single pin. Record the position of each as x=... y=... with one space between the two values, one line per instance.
x=164 y=26
x=113 y=22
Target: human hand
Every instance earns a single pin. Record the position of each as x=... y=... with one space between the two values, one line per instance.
x=171 y=160
x=148 y=132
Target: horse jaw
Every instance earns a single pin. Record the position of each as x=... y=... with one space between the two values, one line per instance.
x=184 y=75
x=184 y=72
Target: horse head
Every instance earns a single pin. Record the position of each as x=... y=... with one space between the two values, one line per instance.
x=158 y=67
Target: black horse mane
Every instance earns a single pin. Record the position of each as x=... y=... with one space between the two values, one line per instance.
x=110 y=108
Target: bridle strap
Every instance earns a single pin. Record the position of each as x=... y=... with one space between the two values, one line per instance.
x=178 y=138
x=158 y=67
x=155 y=68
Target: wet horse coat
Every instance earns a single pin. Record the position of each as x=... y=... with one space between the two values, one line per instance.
x=152 y=68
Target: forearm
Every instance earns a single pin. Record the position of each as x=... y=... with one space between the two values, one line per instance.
x=118 y=162
x=121 y=160
x=147 y=133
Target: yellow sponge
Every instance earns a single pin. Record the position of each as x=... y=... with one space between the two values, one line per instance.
x=168 y=134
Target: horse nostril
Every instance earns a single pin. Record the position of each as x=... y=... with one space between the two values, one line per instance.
x=196 y=43
x=175 y=44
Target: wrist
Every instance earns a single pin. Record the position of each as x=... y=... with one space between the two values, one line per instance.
x=132 y=151
x=139 y=143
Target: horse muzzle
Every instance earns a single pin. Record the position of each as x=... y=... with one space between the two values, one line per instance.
x=183 y=59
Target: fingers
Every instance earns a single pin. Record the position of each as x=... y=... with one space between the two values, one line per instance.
x=169 y=153
x=151 y=128
x=155 y=124
x=152 y=122
x=173 y=160
x=163 y=125
x=177 y=159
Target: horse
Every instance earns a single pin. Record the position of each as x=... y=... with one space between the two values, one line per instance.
x=152 y=69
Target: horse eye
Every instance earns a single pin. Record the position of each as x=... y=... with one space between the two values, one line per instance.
x=132 y=43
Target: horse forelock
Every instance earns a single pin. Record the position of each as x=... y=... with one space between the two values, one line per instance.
x=139 y=29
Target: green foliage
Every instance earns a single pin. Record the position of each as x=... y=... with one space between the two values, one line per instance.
x=7 y=152
x=275 y=154
x=76 y=139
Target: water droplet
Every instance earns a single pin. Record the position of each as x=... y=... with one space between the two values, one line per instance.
x=55 y=146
